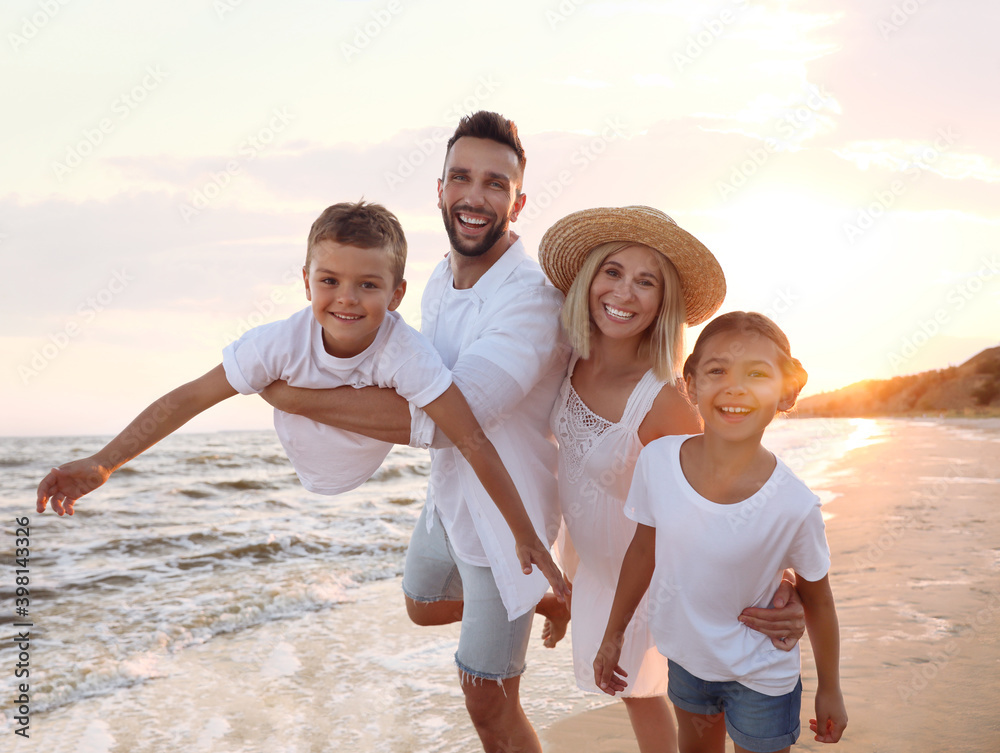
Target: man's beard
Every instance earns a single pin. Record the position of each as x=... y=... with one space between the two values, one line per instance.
x=481 y=246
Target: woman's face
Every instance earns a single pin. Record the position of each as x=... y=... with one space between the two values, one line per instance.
x=627 y=292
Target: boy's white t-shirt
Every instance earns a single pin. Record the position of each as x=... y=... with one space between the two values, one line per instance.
x=714 y=560
x=330 y=460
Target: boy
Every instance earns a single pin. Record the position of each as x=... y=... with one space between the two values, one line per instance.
x=353 y=336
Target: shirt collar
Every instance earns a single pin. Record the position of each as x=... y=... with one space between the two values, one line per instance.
x=502 y=268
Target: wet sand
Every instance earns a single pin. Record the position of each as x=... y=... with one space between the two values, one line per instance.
x=915 y=538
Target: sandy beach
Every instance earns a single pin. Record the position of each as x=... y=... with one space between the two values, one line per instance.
x=915 y=536
x=915 y=541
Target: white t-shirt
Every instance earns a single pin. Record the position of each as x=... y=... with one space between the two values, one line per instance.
x=714 y=560
x=330 y=460
x=502 y=340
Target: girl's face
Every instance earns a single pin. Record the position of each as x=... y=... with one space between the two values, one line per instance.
x=738 y=384
x=627 y=292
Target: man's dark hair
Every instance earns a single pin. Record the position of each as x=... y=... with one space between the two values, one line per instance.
x=492 y=126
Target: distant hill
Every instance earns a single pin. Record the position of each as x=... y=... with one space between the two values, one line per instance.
x=972 y=389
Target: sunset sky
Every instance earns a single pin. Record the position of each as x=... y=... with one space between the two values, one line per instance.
x=162 y=164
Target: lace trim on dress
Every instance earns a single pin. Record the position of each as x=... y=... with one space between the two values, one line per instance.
x=578 y=429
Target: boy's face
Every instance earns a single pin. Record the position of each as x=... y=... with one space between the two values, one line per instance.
x=350 y=290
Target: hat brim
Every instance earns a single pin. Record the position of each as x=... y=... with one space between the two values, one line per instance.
x=566 y=244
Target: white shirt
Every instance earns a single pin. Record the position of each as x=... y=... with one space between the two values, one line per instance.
x=714 y=560
x=330 y=460
x=509 y=360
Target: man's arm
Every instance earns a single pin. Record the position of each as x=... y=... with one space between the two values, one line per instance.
x=824 y=635
x=376 y=412
x=64 y=485
x=452 y=414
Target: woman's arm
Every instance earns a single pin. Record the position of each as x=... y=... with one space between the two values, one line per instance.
x=785 y=622
x=670 y=414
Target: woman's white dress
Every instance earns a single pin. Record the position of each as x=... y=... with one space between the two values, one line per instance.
x=596 y=461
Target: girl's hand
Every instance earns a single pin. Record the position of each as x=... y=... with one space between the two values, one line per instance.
x=64 y=485
x=607 y=674
x=831 y=715
x=534 y=552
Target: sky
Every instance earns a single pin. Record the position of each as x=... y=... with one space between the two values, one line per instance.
x=161 y=165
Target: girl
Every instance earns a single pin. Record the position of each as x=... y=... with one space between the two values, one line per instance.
x=632 y=279
x=719 y=518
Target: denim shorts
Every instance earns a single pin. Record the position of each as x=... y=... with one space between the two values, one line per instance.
x=489 y=646
x=756 y=722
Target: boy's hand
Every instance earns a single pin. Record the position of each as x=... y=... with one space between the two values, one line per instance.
x=832 y=716
x=64 y=485
x=607 y=674
x=534 y=552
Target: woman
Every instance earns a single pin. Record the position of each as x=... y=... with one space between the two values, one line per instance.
x=632 y=280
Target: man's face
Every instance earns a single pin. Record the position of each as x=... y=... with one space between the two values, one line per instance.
x=478 y=194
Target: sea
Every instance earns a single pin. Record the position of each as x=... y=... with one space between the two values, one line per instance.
x=203 y=600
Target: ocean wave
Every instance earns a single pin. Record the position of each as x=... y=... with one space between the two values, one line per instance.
x=80 y=679
x=194 y=493
x=245 y=484
x=401 y=501
x=386 y=473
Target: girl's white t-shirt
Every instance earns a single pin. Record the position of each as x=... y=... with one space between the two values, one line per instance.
x=330 y=460
x=714 y=560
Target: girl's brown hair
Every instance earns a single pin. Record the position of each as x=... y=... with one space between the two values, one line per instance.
x=756 y=325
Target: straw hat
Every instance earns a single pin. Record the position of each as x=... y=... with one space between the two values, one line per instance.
x=566 y=244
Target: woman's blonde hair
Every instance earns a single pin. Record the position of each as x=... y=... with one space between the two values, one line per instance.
x=663 y=341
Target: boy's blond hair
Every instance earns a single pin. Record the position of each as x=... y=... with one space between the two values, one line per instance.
x=363 y=226
x=663 y=341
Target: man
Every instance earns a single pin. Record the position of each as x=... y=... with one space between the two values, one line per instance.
x=495 y=321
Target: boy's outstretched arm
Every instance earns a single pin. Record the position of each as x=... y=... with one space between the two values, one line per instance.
x=454 y=417
x=64 y=485
x=633 y=582
x=824 y=635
